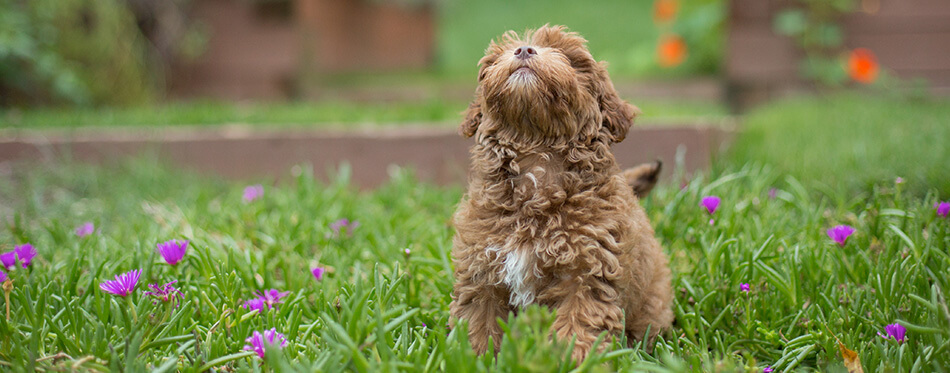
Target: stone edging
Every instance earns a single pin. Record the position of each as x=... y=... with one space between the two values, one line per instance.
x=437 y=153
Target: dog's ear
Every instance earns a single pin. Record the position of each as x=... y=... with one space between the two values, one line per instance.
x=473 y=117
x=618 y=114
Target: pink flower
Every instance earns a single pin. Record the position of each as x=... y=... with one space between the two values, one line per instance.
x=3 y=276
x=840 y=234
x=773 y=193
x=173 y=251
x=896 y=331
x=258 y=343
x=943 y=209
x=343 y=226
x=25 y=254
x=8 y=259
x=253 y=192
x=255 y=304
x=318 y=273
x=711 y=203
x=165 y=293
x=768 y=369
x=123 y=285
x=745 y=287
x=85 y=229
x=268 y=298
x=272 y=297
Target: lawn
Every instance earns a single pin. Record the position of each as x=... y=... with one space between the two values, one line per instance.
x=382 y=303
x=853 y=141
x=323 y=114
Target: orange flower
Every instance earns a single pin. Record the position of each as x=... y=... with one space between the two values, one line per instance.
x=862 y=65
x=672 y=50
x=664 y=10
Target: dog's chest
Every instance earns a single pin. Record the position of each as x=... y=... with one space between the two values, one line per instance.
x=517 y=270
x=535 y=175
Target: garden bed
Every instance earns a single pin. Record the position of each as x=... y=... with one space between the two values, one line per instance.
x=435 y=151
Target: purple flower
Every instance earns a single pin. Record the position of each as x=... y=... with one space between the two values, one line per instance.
x=745 y=287
x=123 y=285
x=165 y=293
x=318 y=273
x=899 y=180
x=173 y=250
x=268 y=298
x=254 y=304
x=768 y=369
x=840 y=234
x=711 y=203
x=25 y=254
x=895 y=330
x=253 y=192
x=339 y=226
x=772 y=193
x=272 y=297
x=85 y=229
x=271 y=338
x=943 y=208
x=8 y=259
x=3 y=276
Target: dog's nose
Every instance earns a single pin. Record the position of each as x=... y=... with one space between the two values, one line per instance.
x=525 y=52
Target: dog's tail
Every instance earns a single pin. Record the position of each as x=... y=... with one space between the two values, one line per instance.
x=643 y=178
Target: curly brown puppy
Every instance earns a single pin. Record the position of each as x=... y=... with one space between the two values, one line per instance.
x=547 y=217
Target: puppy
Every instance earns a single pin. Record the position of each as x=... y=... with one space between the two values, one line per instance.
x=548 y=218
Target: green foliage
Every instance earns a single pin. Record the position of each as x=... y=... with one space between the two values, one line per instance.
x=379 y=309
x=852 y=141
x=701 y=25
x=620 y=32
x=70 y=51
x=813 y=25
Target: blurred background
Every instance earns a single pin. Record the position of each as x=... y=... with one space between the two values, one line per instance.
x=68 y=64
x=137 y=52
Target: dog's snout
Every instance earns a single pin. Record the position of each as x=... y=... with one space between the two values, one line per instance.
x=525 y=52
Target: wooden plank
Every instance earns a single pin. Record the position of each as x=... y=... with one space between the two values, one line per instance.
x=752 y=10
x=896 y=24
x=907 y=7
x=924 y=51
x=754 y=53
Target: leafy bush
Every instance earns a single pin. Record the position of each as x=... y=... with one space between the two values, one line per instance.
x=71 y=51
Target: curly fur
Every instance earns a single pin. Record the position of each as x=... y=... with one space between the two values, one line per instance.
x=548 y=218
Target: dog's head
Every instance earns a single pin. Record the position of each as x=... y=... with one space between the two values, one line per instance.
x=546 y=86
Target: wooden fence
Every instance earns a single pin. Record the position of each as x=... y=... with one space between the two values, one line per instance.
x=911 y=39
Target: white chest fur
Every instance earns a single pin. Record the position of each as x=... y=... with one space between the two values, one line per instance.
x=518 y=267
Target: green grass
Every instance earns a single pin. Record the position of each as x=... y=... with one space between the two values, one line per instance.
x=379 y=309
x=314 y=114
x=852 y=141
